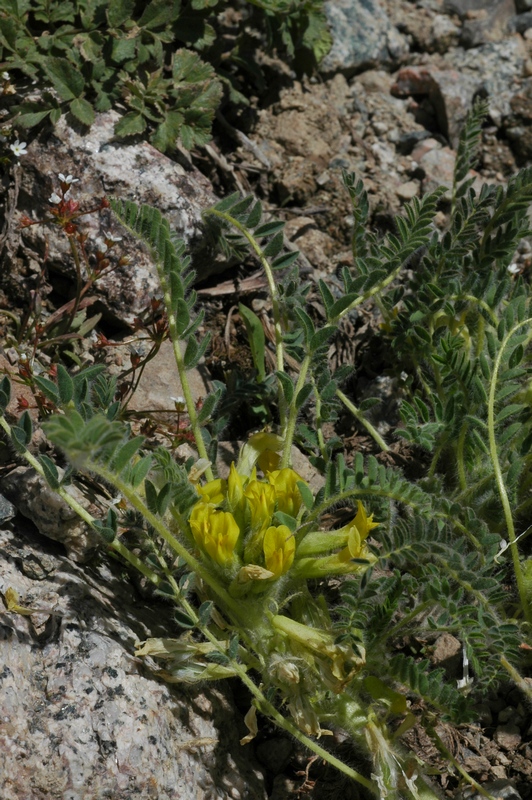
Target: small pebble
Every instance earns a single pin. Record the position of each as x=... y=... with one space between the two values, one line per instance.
x=407 y=190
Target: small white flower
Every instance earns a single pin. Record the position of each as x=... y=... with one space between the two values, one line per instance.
x=54 y=198
x=110 y=238
x=179 y=401
x=513 y=268
x=101 y=247
x=18 y=148
x=5 y=76
x=67 y=179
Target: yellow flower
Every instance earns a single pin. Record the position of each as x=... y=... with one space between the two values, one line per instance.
x=235 y=497
x=261 y=500
x=279 y=548
x=288 y=495
x=252 y=449
x=213 y=492
x=363 y=523
x=269 y=461
x=354 y=538
x=358 y=531
x=214 y=531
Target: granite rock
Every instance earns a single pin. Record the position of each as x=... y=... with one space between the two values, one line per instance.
x=132 y=170
x=363 y=36
x=82 y=718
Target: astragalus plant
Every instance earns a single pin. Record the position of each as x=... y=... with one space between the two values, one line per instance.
x=245 y=562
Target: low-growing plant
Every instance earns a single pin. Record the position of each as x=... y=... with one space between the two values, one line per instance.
x=162 y=64
x=420 y=558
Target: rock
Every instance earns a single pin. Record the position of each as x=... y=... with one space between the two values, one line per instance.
x=82 y=718
x=473 y=762
x=521 y=22
x=407 y=141
x=314 y=243
x=52 y=516
x=305 y=122
x=483 y=20
x=496 y=68
x=374 y=80
x=508 y=736
x=297 y=182
x=489 y=71
x=523 y=5
x=435 y=163
x=160 y=382
x=499 y=790
x=472 y=8
x=484 y=715
x=507 y=714
x=438 y=165
x=450 y=92
x=134 y=171
x=407 y=190
x=519 y=123
x=363 y=36
x=444 y=33
x=425 y=31
x=7 y=510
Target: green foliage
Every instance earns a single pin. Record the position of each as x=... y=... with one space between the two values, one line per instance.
x=87 y=56
x=427 y=559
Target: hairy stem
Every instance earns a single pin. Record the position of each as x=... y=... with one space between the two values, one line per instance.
x=182 y=371
x=503 y=494
x=135 y=500
x=274 y=294
x=290 y=426
x=362 y=419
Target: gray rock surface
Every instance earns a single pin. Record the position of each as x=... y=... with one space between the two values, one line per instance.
x=131 y=170
x=519 y=123
x=483 y=20
x=363 y=36
x=50 y=514
x=455 y=80
x=7 y=509
x=496 y=68
x=82 y=718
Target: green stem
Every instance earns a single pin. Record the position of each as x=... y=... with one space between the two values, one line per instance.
x=362 y=419
x=477 y=301
x=274 y=294
x=436 y=457
x=390 y=633
x=182 y=371
x=196 y=566
x=517 y=678
x=319 y=422
x=503 y=494
x=267 y=708
x=460 y=464
x=446 y=753
x=366 y=296
x=290 y=427
x=117 y=545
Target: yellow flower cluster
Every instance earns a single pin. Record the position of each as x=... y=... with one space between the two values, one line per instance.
x=234 y=524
